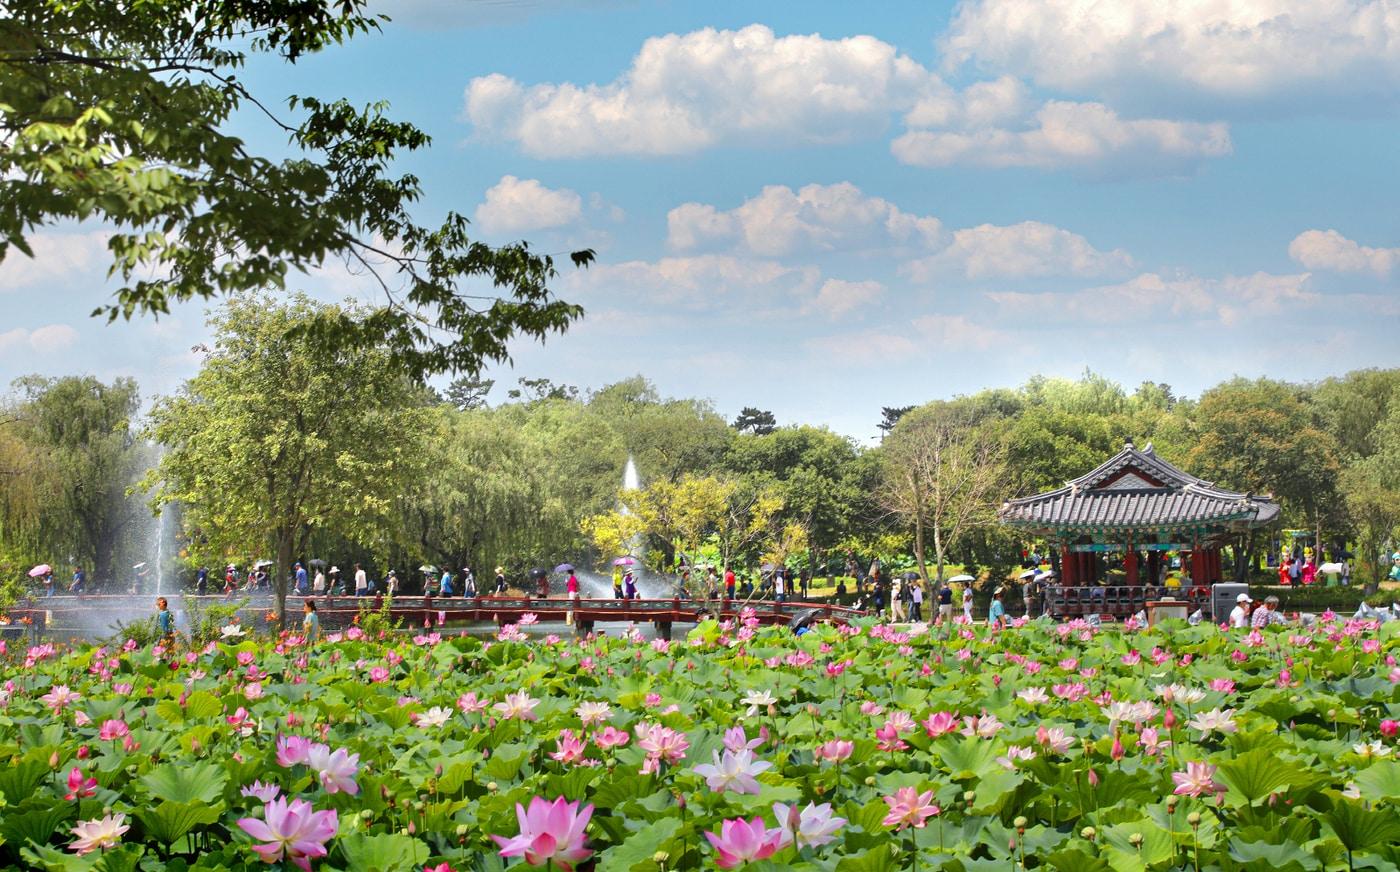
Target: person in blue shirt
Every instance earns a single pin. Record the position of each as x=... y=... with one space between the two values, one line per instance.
x=996 y=615
x=445 y=588
x=303 y=586
x=79 y=580
x=310 y=622
x=165 y=621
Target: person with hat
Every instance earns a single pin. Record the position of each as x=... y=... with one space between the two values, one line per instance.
x=302 y=586
x=500 y=589
x=1239 y=617
x=996 y=612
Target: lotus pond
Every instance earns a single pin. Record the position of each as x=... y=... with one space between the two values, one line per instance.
x=1048 y=746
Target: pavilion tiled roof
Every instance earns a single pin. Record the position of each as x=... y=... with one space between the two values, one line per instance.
x=1137 y=490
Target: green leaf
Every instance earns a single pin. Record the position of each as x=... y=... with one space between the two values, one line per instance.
x=1358 y=828
x=1157 y=846
x=1253 y=775
x=189 y=783
x=37 y=826
x=170 y=821
x=968 y=758
x=1075 y=860
x=877 y=859
x=641 y=846
x=386 y=852
x=1278 y=858
x=1379 y=780
x=18 y=781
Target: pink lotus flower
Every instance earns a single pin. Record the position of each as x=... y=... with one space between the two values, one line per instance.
x=469 y=704
x=736 y=740
x=262 y=792
x=1389 y=728
x=871 y=708
x=1222 y=685
x=59 y=697
x=103 y=832
x=113 y=730
x=1151 y=745
x=661 y=744
x=517 y=706
x=834 y=751
x=336 y=769
x=1198 y=778
x=940 y=723
x=378 y=674
x=984 y=726
x=292 y=750
x=909 y=808
x=734 y=772
x=291 y=828
x=889 y=740
x=740 y=841
x=550 y=833
x=570 y=748
x=78 y=786
x=611 y=737
x=812 y=827
x=591 y=713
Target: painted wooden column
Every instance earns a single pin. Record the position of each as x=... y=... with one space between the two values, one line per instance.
x=1130 y=565
x=1069 y=578
x=1199 y=572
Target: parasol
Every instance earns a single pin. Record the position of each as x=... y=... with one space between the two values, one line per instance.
x=911 y=576
x=624 y=561
x=1330 y=568
x=40 y=570
x=261 y=563
x=564 y=567
x=1049 y=573
x=427 y=567
x=768 y=567
x=962 y=578
x=316 y=564
x=1029 y=573
x=539 y=572
x=803 y=618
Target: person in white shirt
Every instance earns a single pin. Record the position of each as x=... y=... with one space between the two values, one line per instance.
x=897 y=600
x=779 y=585
x=361 y=581
x=1239 y=618
x=318 y=584
x=916 y=592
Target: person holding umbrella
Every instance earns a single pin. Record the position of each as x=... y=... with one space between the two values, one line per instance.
x=468 y=582
x=500 y=589
x=629 y=586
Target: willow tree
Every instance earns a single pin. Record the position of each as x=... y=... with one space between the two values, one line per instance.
x=273 y=439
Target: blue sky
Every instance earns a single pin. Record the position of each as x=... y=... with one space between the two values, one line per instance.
x=821 y=209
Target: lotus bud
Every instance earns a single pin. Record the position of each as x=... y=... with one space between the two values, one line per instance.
x=366 y=815
x=492 y=786
x=1087 y=833
x=461 y=830
x=1169 y=719
x=870 y=781
x=1194 y=818
x=1135 y=840
x=53 y=760
x=1172 y=801
x=660 y=858
x=1020 y=823
x=969 y=796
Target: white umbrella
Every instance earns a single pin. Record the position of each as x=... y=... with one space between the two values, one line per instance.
x=962 y=578
x=1330 y=568
x=1029 y=573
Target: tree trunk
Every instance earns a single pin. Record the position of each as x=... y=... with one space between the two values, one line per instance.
x=103 y=570
x=279 y=578
x=919 y=550
x=938 y=547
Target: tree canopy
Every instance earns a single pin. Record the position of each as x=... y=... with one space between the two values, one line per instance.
x=121 y=114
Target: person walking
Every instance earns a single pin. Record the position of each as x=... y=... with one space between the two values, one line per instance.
x=201 y=581
x=79 y=578
x=966 y=591
x=165 y=621
x=445 y=585
x=629 y=586
x=996 y=614
x=916 y=600
x=468 y=582
x=571 y=588
x=779 y=585
x=310 y=622
x=318 y=584
x=1028 y=596
x=945 y=605
x=729 y=580
x=617 y=582
x=303 y=586
x=361 y=581
x=897 y=599
x=500 y=589
x=391 y=583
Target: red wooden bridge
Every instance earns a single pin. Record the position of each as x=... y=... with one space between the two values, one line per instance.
x=100 y=612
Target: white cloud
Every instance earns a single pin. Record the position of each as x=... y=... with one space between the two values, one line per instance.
x=706 y=281
x=58 y=257
x=1227 y=48
x=518 y=205
x=41 y=340
x=1150 y=296
x=1330 y=250
x=837 y=297
x=1064 y=135
x=686 y=92
x=817 y=217
x=1024 y=250
x=959 y=333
